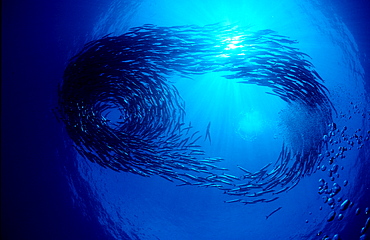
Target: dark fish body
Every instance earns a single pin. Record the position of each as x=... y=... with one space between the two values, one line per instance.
x=277 y=209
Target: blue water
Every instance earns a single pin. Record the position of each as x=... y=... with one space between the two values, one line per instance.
x=49 y=192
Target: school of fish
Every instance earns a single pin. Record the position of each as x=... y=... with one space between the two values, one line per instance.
x=127 y=74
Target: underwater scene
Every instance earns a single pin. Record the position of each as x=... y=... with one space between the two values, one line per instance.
x=199 y=119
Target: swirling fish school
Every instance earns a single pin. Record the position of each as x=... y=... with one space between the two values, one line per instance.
x=122 y=112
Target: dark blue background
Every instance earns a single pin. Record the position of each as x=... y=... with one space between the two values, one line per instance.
x=35 y=198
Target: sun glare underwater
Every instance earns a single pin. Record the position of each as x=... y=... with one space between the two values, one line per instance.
x=219 y=120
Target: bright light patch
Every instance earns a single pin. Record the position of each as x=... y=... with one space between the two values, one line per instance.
x=233 y=42
x=250 y=125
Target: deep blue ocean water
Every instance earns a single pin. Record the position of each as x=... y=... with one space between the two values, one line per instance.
x=48 y=191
